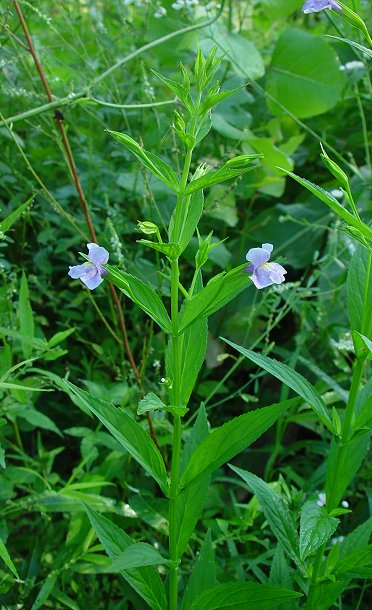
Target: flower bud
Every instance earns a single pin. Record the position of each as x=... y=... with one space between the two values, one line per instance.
x=147 y=227
x=335 y=169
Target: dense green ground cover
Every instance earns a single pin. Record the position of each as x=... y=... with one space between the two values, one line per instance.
x=294 y=88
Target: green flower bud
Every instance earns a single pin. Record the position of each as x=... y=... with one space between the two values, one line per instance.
x=147 y=227
x=335 y=169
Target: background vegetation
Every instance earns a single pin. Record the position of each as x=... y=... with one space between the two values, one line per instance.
x=295 y=88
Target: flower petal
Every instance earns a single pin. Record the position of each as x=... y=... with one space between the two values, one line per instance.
x=276 y=272
x=97 y=255
x=92 y=281
x=257 y=256
x=78 y=270
x=249 y=269
x=268 y=247
x=261 y=278
x=314 y=6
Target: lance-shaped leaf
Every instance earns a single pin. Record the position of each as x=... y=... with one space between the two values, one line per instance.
x=232 y=168
x=332 y=202
x=276 y=512
x=142 y=294
x=228 y=440
x=292 y=379
x=145 y=580
x=316 y=527
x=219 y=291
x=128 y=433
x=152 y=162
x=6 y=224
x=243 y=596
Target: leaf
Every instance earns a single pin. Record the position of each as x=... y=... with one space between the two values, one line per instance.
x=18 y=386
x=191 y=501
x=332 y=203
x=219 y=291
x=138 y=555
x=39 y=419
x=357 y=539
x=7 y=223
x=6 y=558
x=191 y=219
x=45 y=591
x=242 y=53
x=26 y=319
x=276 y=512
x=243 y=596
x=171 y=250
x=354 y=44
x=343 y=464
x=228 y=440
x=142 y=294
x=177 y=89
x=226 y=172
x=194 y=347
x=354 y=559
x=363 y=345
x=304 y=75
x=59 y=337
x=128 y=433
x=203 y=575
x=358 y=278
x=316 y=527
x=150 y=402
x=146 y=580
x=152 y=162
x=292 y=379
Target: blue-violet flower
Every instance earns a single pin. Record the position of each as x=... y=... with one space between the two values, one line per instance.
x=264 y=273
x=90 y=273
x=314 y=6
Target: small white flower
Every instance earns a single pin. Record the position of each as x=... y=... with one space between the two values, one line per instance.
x=337 y=539
x=345 y=504
x=160 y=12
x=322 y=499
x=210 y=5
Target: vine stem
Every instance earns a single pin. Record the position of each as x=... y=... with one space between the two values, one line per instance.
x=84 y=205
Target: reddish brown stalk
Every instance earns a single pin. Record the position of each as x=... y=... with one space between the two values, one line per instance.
x=59 y=120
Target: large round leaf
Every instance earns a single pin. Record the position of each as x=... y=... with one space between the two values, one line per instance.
x=304 y=75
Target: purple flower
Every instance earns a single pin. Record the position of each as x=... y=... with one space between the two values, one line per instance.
x=90 y=273
x=264 y=273
x=314 y=6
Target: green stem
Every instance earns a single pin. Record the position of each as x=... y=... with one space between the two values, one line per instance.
x=315 y=575
x=176 y=448
x=350 y=407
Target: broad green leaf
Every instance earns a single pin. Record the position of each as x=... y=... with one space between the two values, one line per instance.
x=153 y=163
x=203 y=575
x=142 y=294
x=7 y=223
x=6 y=558
x=26 y=318
x=228 y=440
x=244 y=57
x=150 y=402
x=280 y=10
x=355 y=559
x=45 y=590
x=146 y=580
x=304 y=75
x=316 y=527
x=357 y=539
x=292 y=379
x=128 y=433
x=343 y=464
x=138 y=555
x=194 y=347
x=243 y=596
x=191 y=502
x=219 y=291
x=359 y=288
x=226 y=172
x=191 y=219
x=332 y=203
x=276 y=512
